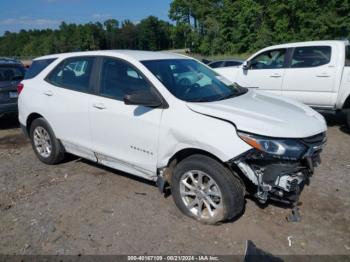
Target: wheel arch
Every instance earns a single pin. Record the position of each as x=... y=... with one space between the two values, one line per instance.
x=187 y=152
x=30 y=120
x=347 y=103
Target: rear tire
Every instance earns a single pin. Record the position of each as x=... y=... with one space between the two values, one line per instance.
x=205 y=190
x=44 y=142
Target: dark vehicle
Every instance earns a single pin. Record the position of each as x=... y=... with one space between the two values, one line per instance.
x=11 y=73
x=225 y=63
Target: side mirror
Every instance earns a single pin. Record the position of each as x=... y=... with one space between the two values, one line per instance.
x=246 y=65
x=143 y=98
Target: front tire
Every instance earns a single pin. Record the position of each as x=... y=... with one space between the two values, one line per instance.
x=44 y=142
x=205 y=190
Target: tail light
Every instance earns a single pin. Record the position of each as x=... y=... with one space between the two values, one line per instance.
x=20 y=87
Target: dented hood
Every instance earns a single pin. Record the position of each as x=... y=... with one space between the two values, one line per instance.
x=265 y=114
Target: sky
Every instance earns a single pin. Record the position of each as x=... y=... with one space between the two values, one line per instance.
x=38 y=14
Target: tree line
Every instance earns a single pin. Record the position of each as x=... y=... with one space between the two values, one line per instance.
x=150 y=34
x=239 y=26
x=207 y=27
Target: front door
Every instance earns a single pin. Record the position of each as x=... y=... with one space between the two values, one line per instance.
x=124 y=137
x=265 y=72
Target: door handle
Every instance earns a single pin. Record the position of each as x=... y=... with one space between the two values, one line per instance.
x=323 y=75
x=100 y=106
x=275 y=75
x=48 y=93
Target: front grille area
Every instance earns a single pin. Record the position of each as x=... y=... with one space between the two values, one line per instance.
x=315 y=144
x=292 y=184
x=318 y=139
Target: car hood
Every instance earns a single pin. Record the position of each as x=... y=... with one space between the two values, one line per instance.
x=265 y=114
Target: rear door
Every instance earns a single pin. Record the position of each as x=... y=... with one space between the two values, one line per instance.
x=124 y=137
x=310 y=77
x=67 y=92
x=265 y=72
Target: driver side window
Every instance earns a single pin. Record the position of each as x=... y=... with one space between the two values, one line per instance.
x=271 y=59
x=119 y=79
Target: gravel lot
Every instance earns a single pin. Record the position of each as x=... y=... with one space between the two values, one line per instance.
x=81 y=208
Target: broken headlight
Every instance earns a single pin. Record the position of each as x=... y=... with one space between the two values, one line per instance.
x=284 y=148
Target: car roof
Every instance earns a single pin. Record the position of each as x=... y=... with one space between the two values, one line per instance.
x=134 y=54
x=309 y=43
x=9 y=61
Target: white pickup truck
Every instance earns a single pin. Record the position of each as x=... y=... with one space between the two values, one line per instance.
x=316 y=73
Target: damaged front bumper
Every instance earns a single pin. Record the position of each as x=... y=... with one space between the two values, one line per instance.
x=276 y=178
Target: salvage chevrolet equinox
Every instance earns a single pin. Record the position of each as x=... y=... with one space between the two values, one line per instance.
x=171 y=119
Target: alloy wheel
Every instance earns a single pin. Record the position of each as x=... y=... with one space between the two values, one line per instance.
x=42 y=142
x=201 y=194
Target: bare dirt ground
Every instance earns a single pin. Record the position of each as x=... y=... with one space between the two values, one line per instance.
x=80 y=208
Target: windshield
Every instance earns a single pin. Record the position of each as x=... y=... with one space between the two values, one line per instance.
x=191 y=81
x=11 y=73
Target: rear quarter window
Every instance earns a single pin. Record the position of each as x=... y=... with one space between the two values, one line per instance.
x=37 y=66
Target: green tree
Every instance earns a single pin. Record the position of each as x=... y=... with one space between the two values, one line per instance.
x=153 y=34
x=111 y=27
x=205 y=26
x=128 y=35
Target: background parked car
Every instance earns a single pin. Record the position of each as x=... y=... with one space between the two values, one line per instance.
x=225 y=63
x=316 y=73
x=11 y=73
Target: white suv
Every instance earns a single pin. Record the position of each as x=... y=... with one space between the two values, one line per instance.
x=209 y=141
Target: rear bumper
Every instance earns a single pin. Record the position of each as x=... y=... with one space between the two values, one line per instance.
x=8 y=108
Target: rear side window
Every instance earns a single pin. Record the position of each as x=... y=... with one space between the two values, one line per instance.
x=11 y=73
x=72 y=73
x=347 y=55
x=311 y=56
x=37 y=66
